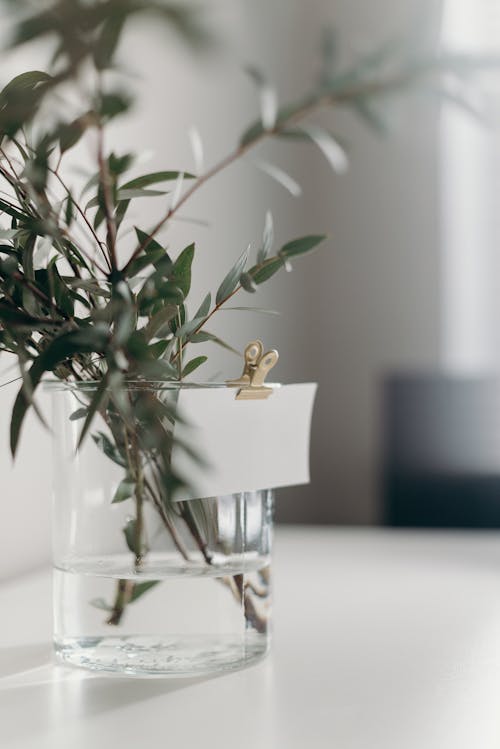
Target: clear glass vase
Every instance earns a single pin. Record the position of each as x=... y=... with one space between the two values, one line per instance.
x=197 y=600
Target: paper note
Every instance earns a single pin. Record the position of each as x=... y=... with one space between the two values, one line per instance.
x=246 y=445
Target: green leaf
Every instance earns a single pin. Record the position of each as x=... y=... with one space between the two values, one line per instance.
x=21 y=149
x=159 y=369
x=193 y=364
x=158 y=349
x=149 y=243
x=181 y=272
x=129 y=193
x=94 y=405
x=329 y=55
x=267 y=238
x=332 y=150
x=93 y=181
x=99 y=218
x=170 y=294
x=20 y=99
x=28 y=250
x=125 y=319
x=154 y=178
x=125 y=490
x=69 y=215
x=119 y=164
x=22 y=84
x=189 y=327
x=87 y=285
x=371 y=116
x=100 y=603
x=15 y=318
x=141 y=262
x=80 y=413
x=159 y=321
x=113 y=104
x=71 y=132
x=281 y=177
x=108 y=40
x=204 y=336
x=13 y=212
x=109 y=449
x=141 y=588
x=60 y=291
x=231 y=281
x=129 y=531
x=301 y=246
x=88 y=340
x=248 y=283
x=256 y=130
x=204 y=308
x=265 y=271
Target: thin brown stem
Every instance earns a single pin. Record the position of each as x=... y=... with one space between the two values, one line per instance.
x=235 y=155
x=297 y=113
x=139 y=519
x=166 y=521
x=189 y=519
x=124 y=591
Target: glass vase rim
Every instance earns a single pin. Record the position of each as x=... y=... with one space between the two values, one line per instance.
x=55 y=385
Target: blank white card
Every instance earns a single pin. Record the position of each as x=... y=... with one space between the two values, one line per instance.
x=245 y=445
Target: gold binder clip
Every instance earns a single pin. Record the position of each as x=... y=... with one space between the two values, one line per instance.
x=257 y=365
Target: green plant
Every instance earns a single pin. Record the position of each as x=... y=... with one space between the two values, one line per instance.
x=83 y=316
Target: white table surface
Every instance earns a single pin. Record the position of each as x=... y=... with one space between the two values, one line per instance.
x=383 y=640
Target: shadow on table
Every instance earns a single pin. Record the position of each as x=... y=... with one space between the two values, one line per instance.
x=59 y=696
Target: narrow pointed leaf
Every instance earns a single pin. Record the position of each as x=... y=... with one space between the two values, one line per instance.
x=204 y=337
x=197 y=149
x=301 y=246
x=95 y=404
x=125 y=490
x=204 y=308
x=129 y=531
x=267 y=238
x=189 y=327
x=281 y=177
x=193 y=364
x=154 y=178
x=141 y=588
x=22 y=84
x=181 y=273
x=160 y=320
x=158 y=349
x=60 y=348
x=148 y=242
x=104 y=443
x=130 y=193
x=331 y=149
x=265 y=271
x=247 y=283
x=231 y=281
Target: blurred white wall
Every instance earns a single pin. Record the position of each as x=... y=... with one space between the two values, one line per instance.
x=470 y=153
x=367 y=302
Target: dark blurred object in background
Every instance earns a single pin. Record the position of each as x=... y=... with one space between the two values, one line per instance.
x=441 y=451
